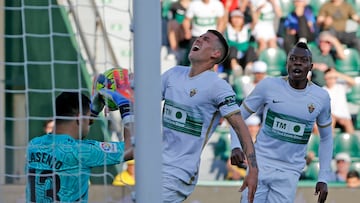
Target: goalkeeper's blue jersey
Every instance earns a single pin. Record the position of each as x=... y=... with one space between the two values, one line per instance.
x=58 y=166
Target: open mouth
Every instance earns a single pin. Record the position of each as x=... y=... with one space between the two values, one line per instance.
x=195 y=48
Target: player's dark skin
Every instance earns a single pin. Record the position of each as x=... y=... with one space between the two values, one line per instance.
x=299 y=63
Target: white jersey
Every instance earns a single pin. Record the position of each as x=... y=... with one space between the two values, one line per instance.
x=204 y=16
x=339 y=104
x=288 y=118
x=265 y=26
x=241 y=36
x=192 y=109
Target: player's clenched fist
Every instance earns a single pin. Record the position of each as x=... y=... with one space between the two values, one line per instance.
x=121 y=102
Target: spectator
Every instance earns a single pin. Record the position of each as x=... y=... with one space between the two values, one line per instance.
x=235 y=172
x=337 y=84
x=265 y=15
x=165 y=6
x=242 y=5
x=48 y=126
x=242 y=52
x=201 y=16
x=334 y=16
x=127 y=176
x=258 y=69
x=230 y=5
x=176 y=35
x=343 y=162
x=245 y=8
x=253 y=123
x=329 y=50
x=353 y=179
x=221 y=155
x=299 y=24
x=222 y=147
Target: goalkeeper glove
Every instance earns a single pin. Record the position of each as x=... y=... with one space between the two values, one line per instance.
x=123 y=103
x=97 y=104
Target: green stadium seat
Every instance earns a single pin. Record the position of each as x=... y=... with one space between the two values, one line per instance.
x=312 y=170
x=357 y=121
x=237 y=86
x=353 y=95
x=313 y=144
x=350 y=65
x=275 y=58
x=355 y=166
x=355 y=5
x=313 y=47
x=348 y=143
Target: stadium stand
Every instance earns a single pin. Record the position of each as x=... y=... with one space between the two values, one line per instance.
x=275 y=59
x=312 y=170
x=313 y=144
x=355 y=166
x=344 y=142
x=350 y=64
x=237 y=86
x=353 y=95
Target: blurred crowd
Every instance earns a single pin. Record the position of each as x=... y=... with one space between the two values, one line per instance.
x=260 y=33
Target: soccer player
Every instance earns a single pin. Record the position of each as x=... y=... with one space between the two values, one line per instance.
x=291 y=106
x=59 y=164
x=195 y=99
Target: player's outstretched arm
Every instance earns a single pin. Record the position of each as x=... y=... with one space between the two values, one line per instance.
x=127 y=117
x=244 y=137
x=325 y=158
x=129 y=149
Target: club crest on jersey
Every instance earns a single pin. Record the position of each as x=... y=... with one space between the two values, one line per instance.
x=311 y=108
x=192 y=92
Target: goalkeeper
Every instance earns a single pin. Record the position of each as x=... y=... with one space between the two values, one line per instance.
x=59 y=165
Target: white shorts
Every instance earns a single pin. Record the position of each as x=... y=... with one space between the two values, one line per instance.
x=264 y=30
x=274 y=186
x=175 y=190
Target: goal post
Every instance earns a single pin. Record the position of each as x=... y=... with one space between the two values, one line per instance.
x=147 y=96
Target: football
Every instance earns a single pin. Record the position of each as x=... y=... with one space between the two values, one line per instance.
x=115 y=79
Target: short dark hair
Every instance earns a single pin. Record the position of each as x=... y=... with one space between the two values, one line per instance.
x=224 y=44
x=68 y=104
x=303 y=45
x=353 y=174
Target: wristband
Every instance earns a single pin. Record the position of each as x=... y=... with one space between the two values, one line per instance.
x=125 y=110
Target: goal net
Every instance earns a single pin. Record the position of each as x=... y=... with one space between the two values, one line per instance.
x=49 y=46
